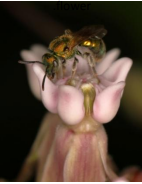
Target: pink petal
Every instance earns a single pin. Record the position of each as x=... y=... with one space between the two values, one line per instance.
x=45 y=140
x=102 y=146
x=70 y=105
x=83 y=162
x=50 y=93
x=107 y=103
x=118 y=70
x=38 y=50
x=108 y=59
x=32 y=78
x=104 y=82
x=53 y=170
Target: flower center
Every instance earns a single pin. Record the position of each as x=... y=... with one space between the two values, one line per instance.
x=89 y=85
x=88 y=124
x=78 y=80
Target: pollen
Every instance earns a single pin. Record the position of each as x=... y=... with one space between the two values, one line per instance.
x=87 y=43
x=93 y=45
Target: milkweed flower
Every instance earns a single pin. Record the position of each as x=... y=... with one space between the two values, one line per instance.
x=67 y=100
x=78 y=143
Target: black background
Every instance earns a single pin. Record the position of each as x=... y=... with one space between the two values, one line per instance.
x=21 y=113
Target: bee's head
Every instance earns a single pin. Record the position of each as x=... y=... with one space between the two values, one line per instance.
x=48 y=59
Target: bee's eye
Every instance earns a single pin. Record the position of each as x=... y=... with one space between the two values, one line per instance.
x=47 y=57
x=66 y=49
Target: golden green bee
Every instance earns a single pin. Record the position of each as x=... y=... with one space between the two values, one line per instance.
x=65 y=47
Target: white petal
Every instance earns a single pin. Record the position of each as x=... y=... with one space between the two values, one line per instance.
x=108 y=59
x=38 y=50
x=118 y=70
x=50 y=93
x=83 y=66
x=28 y=55
x=32 y=78
x=70 y=105
x=107 y=103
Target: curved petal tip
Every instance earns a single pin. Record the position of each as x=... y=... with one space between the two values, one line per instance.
x=70 y=105
x=108 y=60
x=32 y=78
x=107 y=103
x=50 y=93
x=118 y=70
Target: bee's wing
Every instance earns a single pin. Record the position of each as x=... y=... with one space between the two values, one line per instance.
x=97 y=31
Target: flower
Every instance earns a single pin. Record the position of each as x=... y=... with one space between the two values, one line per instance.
x=73 y=145
x=67 y=100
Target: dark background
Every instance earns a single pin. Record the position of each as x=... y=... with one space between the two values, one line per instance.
x=21 y=113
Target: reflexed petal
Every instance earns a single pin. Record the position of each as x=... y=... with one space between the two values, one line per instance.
x=53 y=170
x=45 y=139
x=50 y=93
x=107 y=103
x=118 y=70
x=70 y=105
x=38 y=50
x=83 y=162
x=108 y=59
x=32 y=78
x=102 y=146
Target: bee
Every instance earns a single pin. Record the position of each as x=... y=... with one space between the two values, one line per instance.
x=65 y=47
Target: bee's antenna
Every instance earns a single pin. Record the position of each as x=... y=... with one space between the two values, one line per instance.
x=28 y=62
x=43 y=81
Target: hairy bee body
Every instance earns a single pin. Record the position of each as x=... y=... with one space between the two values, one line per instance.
x=61 y=46
x=65 y=47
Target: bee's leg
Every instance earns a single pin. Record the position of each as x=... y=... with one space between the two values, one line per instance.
x=78 y=53
x=70 y=81
x=74 y=67
x=64 y=66
x=91 y=63
x=53 y=72
x=56 y=69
